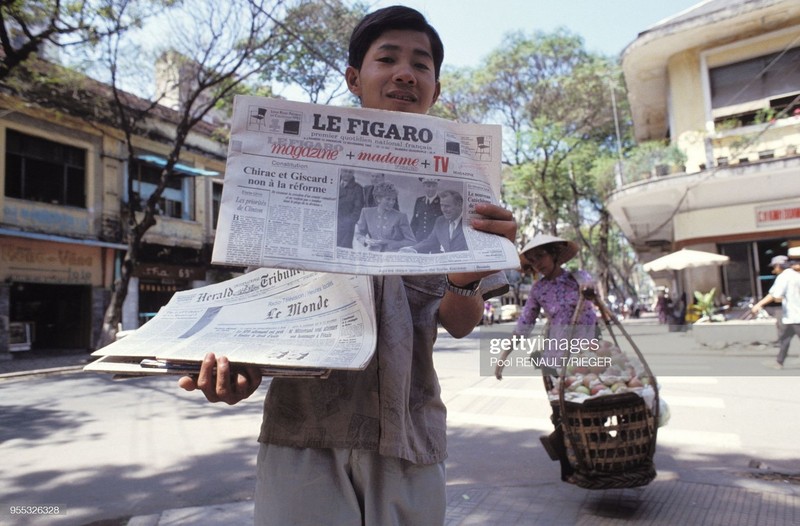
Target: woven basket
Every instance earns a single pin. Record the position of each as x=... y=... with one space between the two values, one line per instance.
x=610 y=439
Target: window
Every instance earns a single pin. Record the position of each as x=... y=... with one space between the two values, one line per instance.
x=177 y=198
x=756 y=89
x=44 y=171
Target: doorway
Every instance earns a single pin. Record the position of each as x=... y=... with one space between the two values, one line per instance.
x=60 y=314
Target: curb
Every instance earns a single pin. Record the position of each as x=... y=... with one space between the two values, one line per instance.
x=41 y=372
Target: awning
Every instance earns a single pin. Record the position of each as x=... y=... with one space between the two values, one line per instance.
x=182 y=168
x=61 y=239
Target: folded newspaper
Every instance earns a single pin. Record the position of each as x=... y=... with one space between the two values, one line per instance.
x=357 y=191
x=287 y=322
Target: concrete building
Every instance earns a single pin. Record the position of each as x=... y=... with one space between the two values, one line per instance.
x=721 y=82
x=65 y=179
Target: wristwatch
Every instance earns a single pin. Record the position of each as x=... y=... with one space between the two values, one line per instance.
x=469 y=290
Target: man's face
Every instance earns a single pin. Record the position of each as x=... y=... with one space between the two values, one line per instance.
x=430 y=189
x=397 y=73
x=449 y=208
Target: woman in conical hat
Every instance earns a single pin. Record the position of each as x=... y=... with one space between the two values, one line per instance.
x=557 y=293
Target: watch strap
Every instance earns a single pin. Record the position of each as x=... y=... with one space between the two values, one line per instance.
x=469 y=290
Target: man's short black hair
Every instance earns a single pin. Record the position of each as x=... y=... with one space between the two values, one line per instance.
x=397 y=17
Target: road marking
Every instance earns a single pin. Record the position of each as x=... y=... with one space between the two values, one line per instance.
x=528 y=394
x=700 y=439
x=459 y=418
x=666 y=435
x=693 y=380
x=694 y=401
x=533 y=394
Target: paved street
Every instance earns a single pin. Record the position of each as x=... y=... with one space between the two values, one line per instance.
x=142 y=448
x=722 y=454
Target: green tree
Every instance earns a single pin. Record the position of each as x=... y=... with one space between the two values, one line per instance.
x=561 y=138
x=313 y=37
x=460 y=99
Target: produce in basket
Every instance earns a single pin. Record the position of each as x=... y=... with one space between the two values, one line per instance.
x=607 y=371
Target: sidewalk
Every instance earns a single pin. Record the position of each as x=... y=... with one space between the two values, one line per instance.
x=43 y=362
x=663 y=502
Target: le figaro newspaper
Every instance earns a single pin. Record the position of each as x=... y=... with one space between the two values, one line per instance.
x=357 y=191
x=318 y=199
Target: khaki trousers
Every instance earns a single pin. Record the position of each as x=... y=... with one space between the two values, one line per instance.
x=343 y=487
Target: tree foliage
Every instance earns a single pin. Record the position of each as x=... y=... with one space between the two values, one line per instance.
x=313 y=38
x=221 y=47
x=460 y=99
x=553 y=98
x=29 y=27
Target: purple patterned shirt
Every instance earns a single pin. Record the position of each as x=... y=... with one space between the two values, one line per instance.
x=558 y=298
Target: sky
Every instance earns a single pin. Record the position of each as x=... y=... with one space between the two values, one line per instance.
x=471 y=29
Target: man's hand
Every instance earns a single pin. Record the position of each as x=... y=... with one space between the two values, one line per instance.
x=495 y=220
x=766 y=300
x=219 y=383
x=460 y=314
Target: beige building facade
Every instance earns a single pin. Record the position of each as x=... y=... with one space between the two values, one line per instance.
x=721 y=81
x=64 y=202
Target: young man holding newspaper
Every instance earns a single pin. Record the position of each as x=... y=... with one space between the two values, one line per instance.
x=368 y=447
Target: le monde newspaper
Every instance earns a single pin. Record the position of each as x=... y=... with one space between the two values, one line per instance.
x=319 y=199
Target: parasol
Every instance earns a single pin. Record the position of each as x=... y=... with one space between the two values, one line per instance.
x=685 y=258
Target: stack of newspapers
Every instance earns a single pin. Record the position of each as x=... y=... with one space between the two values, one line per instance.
x=293 y=171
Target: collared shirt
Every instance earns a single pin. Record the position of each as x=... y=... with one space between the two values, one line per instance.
x=787 y=287
x=394 y=405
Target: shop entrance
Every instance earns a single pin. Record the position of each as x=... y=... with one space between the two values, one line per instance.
x=60 y=315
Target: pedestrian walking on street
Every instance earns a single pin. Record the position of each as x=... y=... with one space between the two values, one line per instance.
x=663 y=306
x=785 y=289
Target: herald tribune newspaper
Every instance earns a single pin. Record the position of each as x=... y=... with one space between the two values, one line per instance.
x=357 y=191
x=290 y=322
